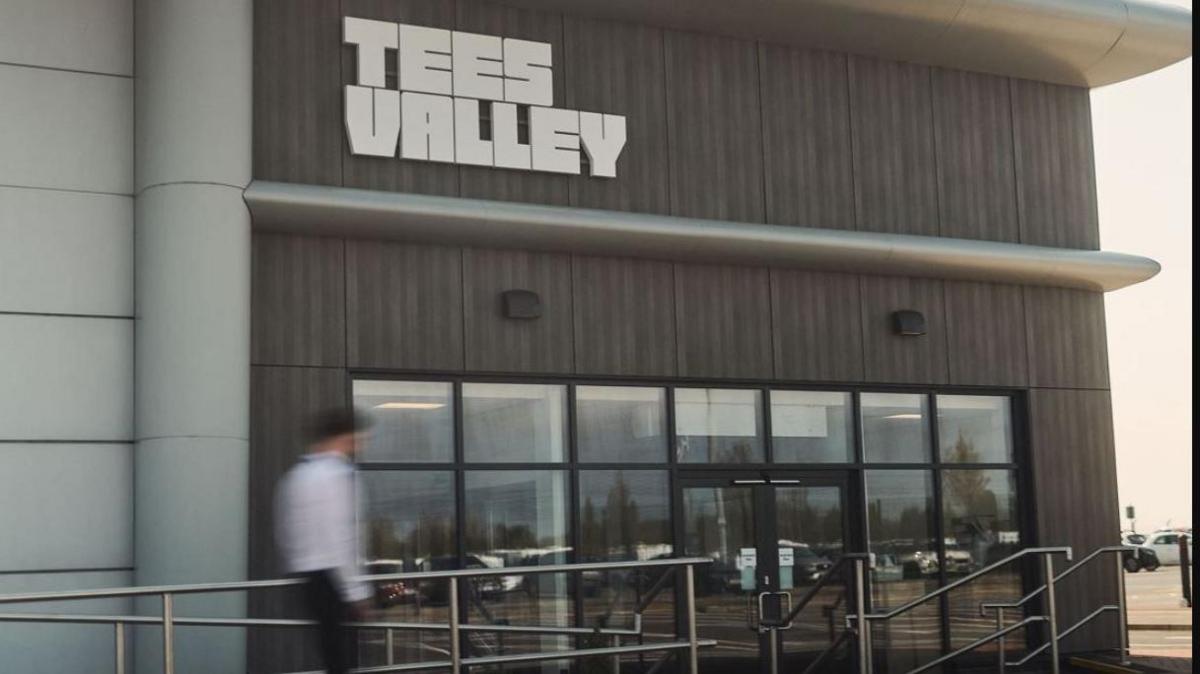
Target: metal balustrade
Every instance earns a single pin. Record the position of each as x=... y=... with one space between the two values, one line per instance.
x=453 y=625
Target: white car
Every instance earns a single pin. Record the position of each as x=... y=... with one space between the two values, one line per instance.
x=1166 y=545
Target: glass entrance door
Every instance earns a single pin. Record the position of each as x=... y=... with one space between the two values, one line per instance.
x=765 y=535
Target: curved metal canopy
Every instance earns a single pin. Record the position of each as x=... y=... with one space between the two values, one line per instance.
x=1086 y=43
x=340 y=211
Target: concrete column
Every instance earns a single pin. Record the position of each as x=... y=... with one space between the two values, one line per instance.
x=192 y=338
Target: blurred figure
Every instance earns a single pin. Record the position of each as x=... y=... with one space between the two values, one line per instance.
x=317 y=533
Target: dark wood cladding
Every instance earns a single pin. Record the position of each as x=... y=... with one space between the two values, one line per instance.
x=298 y=315
x=404 y=306
x=889 y=358
x=282 y=399
x=498 y=344
x=714 y=127
x=985 y=334
x=806 y=138
x=817 y=325
x=1056 y=175
x=624 y=317
x=722 y=319
x=1066 y=338
x=895 y=176
x=618 y=68
x=977 y=194
x=1074 y=472
x=502 y=184
x=297 y=97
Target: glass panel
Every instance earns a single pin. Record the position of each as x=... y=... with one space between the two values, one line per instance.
x=517 y=518
x=900 y=520
x=621 y=424
x=979 y=508
x=625 y=515
x=719 y=524
x=975 y=429
x=809 y=530
x=718 y=426
x=811 y=427
x=414 y=420
x=409 y=526
x=514 y=422
x=895 y=428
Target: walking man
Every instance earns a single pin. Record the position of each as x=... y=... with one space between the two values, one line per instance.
x=317 y=533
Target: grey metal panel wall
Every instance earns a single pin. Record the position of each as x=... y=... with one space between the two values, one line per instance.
x=714 y=127
x=910 y=360
x=895 y=177
x=404 y=306
x=715 y=307
x=816 y=322
x=618 y=67
x=297 y=97
x=806 y=138
x=977 y=196
x=1066 y=338
x=624 y=316
x=985 y=334
x=1056 y=177
x=298 y=286
x=1074 y=472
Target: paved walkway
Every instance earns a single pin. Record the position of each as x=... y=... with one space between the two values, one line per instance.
x=1166 y=664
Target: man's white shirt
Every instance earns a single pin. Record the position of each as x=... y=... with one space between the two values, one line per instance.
x=315 y=523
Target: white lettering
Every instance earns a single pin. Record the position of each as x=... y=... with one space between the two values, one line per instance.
x=603 y=139
x=554 y=137
x=478 y=66
x=527 y=75
x=372 y=120
x=372 y=38
x=469 y=148
x=508 y=152
x=426 y=127
x=425 y=59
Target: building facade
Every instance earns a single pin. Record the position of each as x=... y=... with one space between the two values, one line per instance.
x=616 y=282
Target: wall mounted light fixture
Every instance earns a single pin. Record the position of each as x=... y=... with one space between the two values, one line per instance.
x=521 y=304
x=908 y=323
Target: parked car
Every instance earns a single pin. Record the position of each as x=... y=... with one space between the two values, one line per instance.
x=1142 y=558
x=391 y=592
x=1165 y=544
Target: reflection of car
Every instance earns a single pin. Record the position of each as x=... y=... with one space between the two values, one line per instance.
x=919 y=564
x=1166 y=545
x=959 y=562
x=885 y=567
x=391 y=592
x=437 y=590
x=807 y=566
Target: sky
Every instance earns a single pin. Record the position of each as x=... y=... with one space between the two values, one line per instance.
x=1142 y=131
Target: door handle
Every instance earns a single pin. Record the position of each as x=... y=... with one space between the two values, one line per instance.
x=776 y=618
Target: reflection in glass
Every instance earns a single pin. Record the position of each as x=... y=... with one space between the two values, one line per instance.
x=979 y=510
x=719 y=524
x=718 y=425
x=408 y=519
x=514 y=422
x=903 y=543
x=895 y=428
x=811 y=427
x=625 y=424
x=414 y=420
x=974 y=429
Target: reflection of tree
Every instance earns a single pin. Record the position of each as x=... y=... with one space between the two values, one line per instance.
x=967 y=493
x=431 y=535
x=615 y=530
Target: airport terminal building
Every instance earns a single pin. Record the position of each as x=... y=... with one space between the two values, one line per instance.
x=765 y=283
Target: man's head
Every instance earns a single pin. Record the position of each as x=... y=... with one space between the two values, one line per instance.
x=339 y=430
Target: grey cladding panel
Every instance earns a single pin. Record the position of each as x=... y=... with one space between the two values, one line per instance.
x=1056 y=176
x=297 y=97
x=1066 y=338
x=1074 y=471
x=404 y=306
x=891 y=358
x=985 y=334
x=894 y=164
x=298 y=306
x=624 y=317
x=504 y=184
x=390 y=174
x=723 y=321
x=496 y=343
x=817 y=321
x=976 y=182
x=806 y=138
x=714 y=127
x=617 y=68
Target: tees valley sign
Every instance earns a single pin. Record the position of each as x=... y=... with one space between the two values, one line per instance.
x=444 y=81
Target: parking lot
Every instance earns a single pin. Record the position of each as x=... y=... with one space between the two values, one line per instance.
x=1159 y=622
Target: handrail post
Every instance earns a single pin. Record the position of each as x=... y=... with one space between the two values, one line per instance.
x=455 y=654
x=390 y=645
x=864 y=626
x=1000 y=658
x=1051 y=612
x=1122 y=618
x=119 y=635
x=168 y=627
x=689 y=576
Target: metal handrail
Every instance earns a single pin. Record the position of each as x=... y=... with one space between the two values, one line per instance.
x=1066 y=572
x=862 y=636
x=811 y=593
x=453 y=625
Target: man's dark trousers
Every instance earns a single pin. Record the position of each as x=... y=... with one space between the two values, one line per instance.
x=326 y=606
